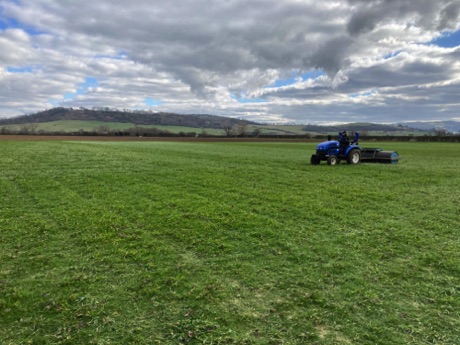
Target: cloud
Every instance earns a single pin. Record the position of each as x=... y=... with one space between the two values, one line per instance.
x=231 y=58
x=449 y=16
x=368 y=14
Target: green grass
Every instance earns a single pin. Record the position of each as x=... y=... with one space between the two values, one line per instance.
x=227 y=243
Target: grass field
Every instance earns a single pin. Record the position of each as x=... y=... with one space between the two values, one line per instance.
x=227 y=243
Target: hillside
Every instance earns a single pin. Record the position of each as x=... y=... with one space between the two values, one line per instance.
x=449 y=126
x=138 y=118
x=360 y=127
x=104 y=120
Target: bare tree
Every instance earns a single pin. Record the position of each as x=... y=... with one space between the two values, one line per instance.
x=33 y=127
x=228 y=129
x=241 y=129
x=441 y=132
x=102 y=129
x=256 y=132
x=28 y=128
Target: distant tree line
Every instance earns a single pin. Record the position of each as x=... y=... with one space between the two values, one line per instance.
x=238 y=131
x=98 y=131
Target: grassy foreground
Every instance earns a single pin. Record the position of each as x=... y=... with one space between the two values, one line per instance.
x=227 y=243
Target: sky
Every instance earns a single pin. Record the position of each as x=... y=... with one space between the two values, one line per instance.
x=271 y=61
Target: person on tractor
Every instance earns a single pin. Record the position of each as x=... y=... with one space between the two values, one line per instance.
x=344 y=141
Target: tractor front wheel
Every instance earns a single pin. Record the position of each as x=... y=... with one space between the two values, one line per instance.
x=315 y=160
x=332 y=160
x=354 y=157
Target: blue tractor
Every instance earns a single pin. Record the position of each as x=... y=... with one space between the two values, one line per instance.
x=333 y=151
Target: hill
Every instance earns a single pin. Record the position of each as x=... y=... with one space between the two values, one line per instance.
x=360 y=127
x=138 y=118
x=449 y=126
x=105 y=120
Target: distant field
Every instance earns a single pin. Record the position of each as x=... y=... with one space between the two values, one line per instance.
x=280 y=129
x=88 y=126
x=299 y=130
x=227 y=243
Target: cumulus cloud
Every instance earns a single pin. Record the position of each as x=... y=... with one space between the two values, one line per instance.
x=374 y=56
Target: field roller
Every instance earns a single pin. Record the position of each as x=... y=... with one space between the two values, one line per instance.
x=376 y=155
x=333 y=151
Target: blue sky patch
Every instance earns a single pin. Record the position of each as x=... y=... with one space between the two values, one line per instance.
x=54 y=102
x=82 y=88
x=152 y=102
x=89 y=82
x=363 y=94
x=447 y=40
x=248 y=100
x=119 y=56
x=296 y=77
x=25 y=69
x=11 y=23
x=392 y=54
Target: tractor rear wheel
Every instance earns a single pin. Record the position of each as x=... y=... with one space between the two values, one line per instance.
x=354 y=157
x=332 y=160
x=315 y=160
